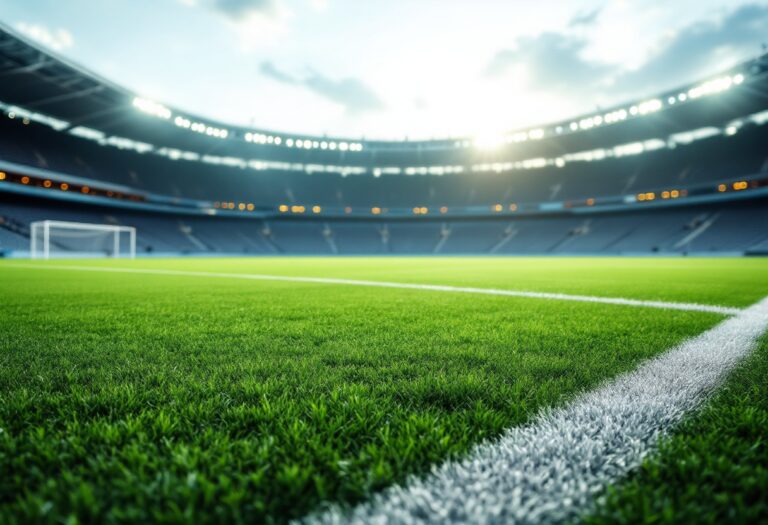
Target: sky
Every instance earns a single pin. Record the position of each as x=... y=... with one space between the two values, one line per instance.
x=395 y=69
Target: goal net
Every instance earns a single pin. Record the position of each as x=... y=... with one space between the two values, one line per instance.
x=52 y=239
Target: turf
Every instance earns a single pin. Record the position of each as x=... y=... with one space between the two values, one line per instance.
x=136 y=398
x=712 y=470
x=721 y=281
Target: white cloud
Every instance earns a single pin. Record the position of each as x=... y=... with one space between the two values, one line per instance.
x=262 y=28
x=318 y=5
x=57 y=39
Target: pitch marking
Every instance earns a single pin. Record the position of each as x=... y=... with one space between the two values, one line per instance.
x=692 y=307
x=550 y=470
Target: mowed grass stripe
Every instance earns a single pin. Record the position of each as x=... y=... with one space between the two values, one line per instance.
x=620 y=301
x=551 y=470
x=146 y=398
x=735 y=282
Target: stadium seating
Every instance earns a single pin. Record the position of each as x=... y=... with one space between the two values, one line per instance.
x=670 y=182
x=730 y=228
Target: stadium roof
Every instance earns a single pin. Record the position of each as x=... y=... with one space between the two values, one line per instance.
x=68 y=97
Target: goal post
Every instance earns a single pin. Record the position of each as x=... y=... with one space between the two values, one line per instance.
x=51 y=239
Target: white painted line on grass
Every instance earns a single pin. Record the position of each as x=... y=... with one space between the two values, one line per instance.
x=692 y=307
x=550 y=470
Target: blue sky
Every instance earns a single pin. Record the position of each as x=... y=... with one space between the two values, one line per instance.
x=395 y=68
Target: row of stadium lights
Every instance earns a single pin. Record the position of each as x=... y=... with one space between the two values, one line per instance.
x=711 y=87
x=376 y=210
x=64 y=186
x=736 y=186
x=499 y=208
x=232 y=206
x=160 y=111
x=666 y=194
x=498 y=167
x=674 y=194
x=261 y=138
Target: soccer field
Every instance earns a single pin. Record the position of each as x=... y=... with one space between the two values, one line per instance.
x=264 y=390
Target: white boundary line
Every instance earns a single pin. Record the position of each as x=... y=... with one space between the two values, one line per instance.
x=692 y=307
x=551 y=470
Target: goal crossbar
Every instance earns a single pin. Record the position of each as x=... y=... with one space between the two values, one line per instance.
x=46 y=226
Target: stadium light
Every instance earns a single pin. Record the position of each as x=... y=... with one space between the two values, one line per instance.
x=152 y=108
x=488 y=142
x=717 y=85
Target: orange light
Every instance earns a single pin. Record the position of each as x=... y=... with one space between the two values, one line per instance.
x=376 y=210
x=675 y=194
x=513 y=207
x=85 y=189
x=25 y=180
x=283 y=208
x=347 y=210
x=424 y=210
x=251 y=207
x=664 y=194
x=444 y=209
x=298 y=209
x=641 y=197
x=497 y=207
x=64 y=186
x=2 y=175
x=650 y=196
x=590 y=201
x=741 y=185
x=316 y=209
x=47 y=184
x=417 y=211
x=722 y=187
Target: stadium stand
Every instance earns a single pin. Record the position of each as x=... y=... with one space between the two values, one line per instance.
x=684 y=172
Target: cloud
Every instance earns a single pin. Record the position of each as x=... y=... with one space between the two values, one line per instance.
x=552 y=62
x=268 y=69
x=354 y=95
x=56 y=39
x=586 y=18
x=351 y=93
x=694 y=50
x=240 y=9
x=319 y=5
x=557 y=63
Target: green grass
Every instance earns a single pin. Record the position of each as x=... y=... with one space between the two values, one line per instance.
x=723 y=281
x=145 y=398
x=713 y=470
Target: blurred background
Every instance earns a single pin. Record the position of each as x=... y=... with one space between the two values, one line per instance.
x=339 y=127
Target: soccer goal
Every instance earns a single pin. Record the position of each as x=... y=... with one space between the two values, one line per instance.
x=52 y=239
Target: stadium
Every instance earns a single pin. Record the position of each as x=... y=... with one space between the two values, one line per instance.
x=206 y=322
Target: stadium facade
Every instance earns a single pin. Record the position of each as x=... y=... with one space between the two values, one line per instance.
x=684 y=171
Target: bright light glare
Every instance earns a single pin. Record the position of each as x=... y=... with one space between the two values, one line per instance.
x=489 y=142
